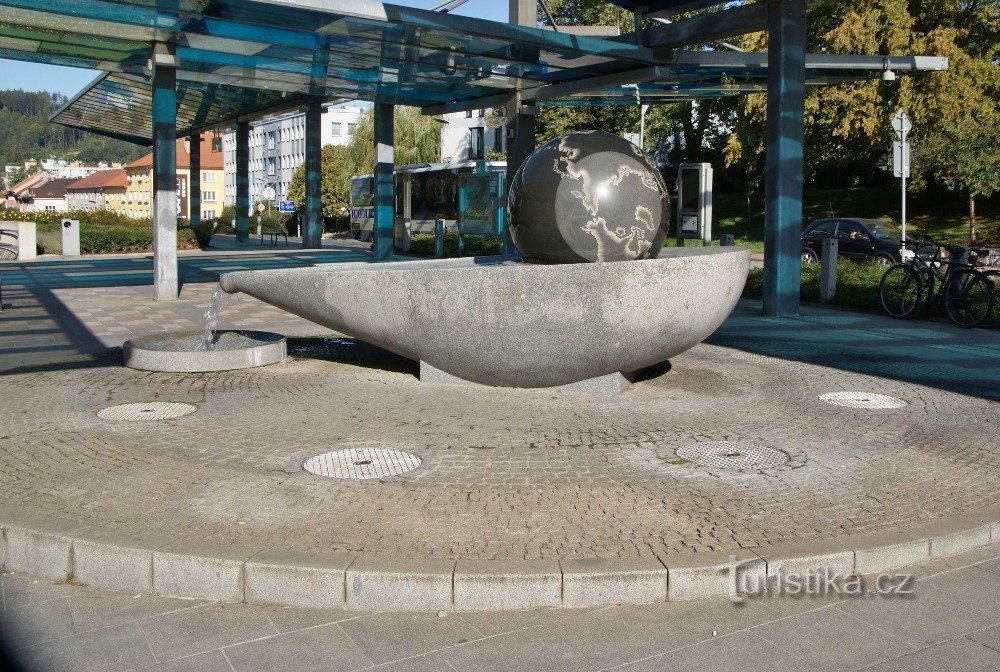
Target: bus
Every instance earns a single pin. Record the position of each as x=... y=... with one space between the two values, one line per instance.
x=424 y=193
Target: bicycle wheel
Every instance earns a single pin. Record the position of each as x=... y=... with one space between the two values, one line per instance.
x=992 y=320
x=968 y=297
x=899 y=290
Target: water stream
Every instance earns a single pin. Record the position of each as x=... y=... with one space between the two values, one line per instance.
x=212 y=318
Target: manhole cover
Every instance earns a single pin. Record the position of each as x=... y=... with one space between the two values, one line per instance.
x=152 y=410
x=752 y=357
x=862 y=400
x=362 y=463
x=733 y=455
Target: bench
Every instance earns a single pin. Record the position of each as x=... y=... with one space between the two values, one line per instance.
x=274 y=237
x=8 y=251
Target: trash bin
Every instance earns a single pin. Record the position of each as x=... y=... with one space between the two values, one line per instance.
x=71 y=237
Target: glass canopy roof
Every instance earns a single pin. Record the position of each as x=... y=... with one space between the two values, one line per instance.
x=238 y=58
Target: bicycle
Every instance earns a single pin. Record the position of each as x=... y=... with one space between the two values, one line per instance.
x=908 y=288
x=992 y=320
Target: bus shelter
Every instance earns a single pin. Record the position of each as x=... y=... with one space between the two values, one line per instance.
x=176 y=68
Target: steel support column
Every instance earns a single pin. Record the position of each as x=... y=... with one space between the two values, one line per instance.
x=243 y=180
x=786 y=73
x=165 y=282
x=520 y=118
x=312 y=230
x=194 y=180
x=384 y=183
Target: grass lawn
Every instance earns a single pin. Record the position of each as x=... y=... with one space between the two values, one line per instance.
x=946 y=219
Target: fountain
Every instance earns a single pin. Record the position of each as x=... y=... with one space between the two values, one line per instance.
x=208 y=350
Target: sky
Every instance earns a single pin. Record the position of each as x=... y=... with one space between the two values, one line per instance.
x=69 y=81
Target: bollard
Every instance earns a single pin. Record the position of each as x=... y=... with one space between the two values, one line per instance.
x=404 y=244
x=71 y=237
x=439 y=238
x=828 y=270
x=258 y=225
x=727 y=240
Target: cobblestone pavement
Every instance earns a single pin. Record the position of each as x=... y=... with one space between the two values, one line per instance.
x=505 y=474
x=950 y=623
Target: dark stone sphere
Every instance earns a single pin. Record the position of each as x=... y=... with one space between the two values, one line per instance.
x=588 y=196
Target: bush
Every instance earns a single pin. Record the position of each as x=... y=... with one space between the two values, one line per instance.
x=857 y=285
x=203 y=233
x=423 y=244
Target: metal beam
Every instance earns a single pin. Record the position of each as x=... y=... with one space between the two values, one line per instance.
x=194 y=180
x=312 y=233
x=243 y=180
x=384 y=227
x=708 y=27
x=602 y=81
x=165 y=283
x=784 y=156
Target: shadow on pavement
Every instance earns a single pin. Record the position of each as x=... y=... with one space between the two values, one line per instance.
x=938 y=355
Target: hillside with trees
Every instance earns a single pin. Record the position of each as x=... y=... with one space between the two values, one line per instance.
x=26 y=133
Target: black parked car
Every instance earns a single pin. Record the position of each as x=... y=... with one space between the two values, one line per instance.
x=859 y=240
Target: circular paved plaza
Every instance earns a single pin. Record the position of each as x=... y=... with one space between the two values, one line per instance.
x=502 y=474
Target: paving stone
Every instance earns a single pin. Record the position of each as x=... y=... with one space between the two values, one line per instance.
x=399 y=585
x=204 y=628
x=322 y=649
x=491 y=585
x=37 y=622
x=212 y=661
x=829 y=639
x=296 y=579
x=742 y=652
x=93 y=609
x=20 y=589
x=392 y=636
x=957 y=654
x=599 y=582
x=114 y=649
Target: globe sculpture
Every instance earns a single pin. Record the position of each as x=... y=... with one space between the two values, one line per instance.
x=588 y=196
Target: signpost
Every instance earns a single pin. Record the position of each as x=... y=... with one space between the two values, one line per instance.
x=901 y=160
x=286 y=206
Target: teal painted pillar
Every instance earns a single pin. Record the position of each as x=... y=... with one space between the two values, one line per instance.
x=312 y=231
x=786 y=74
x=194 y=180
x=243 y=180
x=165 y=282
x=384 y=186
x=520 y=118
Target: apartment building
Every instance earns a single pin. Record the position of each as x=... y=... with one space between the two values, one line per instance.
x=139 y=181
x=103 y=190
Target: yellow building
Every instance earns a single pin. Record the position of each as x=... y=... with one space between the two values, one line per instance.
x=139 y=182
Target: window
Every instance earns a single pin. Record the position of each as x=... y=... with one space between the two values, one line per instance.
x=475 y=143
x=352 y=129
x=335 y=128
x=208 y=177
x=208 y=195
x=823 y=229
x=50 y=208
x=498 y=139
x=270 y=140
x=270 y=165
x=208 y=214
x=851 y=231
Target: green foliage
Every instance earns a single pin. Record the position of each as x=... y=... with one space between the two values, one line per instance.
x=335 y=181
x=417 y=140
x=423 y=244
x=965 y=158
x=857 y=285
x=26 y=133
x=203 y=234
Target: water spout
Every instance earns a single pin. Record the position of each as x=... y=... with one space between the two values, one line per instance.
x=212 y=318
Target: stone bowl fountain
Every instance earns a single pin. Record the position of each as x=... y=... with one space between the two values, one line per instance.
x=186 y=352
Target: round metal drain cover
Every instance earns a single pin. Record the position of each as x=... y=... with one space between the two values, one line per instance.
x=151 y=410
x=862 y=400
x=362 y=463
x=733 y=455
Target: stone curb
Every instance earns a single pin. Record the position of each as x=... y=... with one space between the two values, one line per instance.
x=66 y=550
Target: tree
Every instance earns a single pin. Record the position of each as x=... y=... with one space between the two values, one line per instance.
x=964 y=158
x=335 y=180
x=417 y=139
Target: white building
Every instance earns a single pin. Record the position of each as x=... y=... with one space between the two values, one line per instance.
x=278 y=148
x=469 y=136
x=60 y=170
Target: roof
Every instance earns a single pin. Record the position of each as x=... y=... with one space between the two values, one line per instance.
x=209 y=160
x=236 y=60
x=28 y=182
x=102 y=179
x=52 y=188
